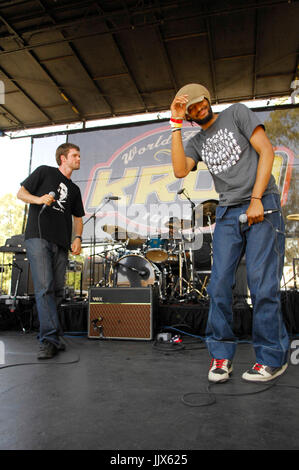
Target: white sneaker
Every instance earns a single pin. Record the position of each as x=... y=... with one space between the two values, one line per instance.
x=262 y=373
x=220 y=370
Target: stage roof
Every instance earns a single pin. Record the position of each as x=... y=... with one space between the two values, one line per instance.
x=66 y=61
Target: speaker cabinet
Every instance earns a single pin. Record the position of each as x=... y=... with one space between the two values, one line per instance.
x=122 y=312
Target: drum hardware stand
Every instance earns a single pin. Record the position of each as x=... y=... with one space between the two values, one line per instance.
x=109 y=277
x=93 y=243
x=163 y=284
x=204 y=283
x=190 y=283
x=184 y=294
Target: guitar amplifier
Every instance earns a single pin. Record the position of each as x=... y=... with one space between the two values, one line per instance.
x=122 y=312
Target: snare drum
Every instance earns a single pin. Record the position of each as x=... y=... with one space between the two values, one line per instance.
x=156 y=250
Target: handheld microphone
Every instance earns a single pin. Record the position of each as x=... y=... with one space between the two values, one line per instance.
x=243 y=217
x=51 y=193
x=181 y=191
x=112 y=198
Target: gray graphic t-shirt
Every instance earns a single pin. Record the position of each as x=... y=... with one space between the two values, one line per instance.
x=232 y=161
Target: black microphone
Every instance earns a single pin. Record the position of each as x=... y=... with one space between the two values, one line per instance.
x=112 y=198
x=243 y=217
x=51 y=193
x=181 y=191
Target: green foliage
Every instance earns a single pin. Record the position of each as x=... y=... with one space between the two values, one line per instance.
x=11 y=217
x=283 y=130
x=11 y=221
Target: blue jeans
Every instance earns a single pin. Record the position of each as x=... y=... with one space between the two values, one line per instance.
x=263 y=244
x=48 y=265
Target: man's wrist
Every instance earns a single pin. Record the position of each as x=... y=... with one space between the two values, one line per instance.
x=78 y=236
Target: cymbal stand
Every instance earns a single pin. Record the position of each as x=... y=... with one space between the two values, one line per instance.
x=191 y=255
x=191 y=284
x=93 y=216
x=180 y=280
x=109 y=275
x=211 y=232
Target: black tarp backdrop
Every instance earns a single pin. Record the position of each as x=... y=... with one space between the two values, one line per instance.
x=133 y=162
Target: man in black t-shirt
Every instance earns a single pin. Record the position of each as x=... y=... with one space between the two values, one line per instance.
x=55 y=209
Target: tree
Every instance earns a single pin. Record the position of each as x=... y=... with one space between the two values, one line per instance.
x=282 y=130
x=11 y=220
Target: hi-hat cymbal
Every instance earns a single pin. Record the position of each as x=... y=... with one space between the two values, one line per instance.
x=293 y=217
x=209 y=207
x=207 y=210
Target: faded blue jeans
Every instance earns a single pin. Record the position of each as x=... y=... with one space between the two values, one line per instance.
x=48 y=265
x=263 y=244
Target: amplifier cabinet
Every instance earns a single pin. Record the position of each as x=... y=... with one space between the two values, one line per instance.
x=122 y=312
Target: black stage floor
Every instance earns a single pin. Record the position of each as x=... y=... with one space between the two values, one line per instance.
x=120 y=395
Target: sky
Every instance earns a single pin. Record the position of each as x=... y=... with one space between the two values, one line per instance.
x=15 y=155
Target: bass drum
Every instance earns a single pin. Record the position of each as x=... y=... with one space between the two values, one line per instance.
x=134 y=271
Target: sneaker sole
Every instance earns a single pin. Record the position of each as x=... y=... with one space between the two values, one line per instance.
x=254 y=378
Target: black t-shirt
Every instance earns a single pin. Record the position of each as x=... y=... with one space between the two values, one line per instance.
x=55 y=220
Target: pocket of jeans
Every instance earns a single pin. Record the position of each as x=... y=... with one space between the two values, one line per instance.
x=280 y=242
x=220 y=212
x=271 y=201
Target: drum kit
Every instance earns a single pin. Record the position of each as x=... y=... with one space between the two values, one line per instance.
x=130 y=260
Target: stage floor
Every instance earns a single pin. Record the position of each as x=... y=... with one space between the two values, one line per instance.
x=135 y=395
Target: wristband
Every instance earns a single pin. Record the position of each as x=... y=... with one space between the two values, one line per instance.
x=178 y=120
x=259 y=198
x=78 y=236
x=176 y=129
x=175 y=125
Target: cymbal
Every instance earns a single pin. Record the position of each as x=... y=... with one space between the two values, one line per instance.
x=135 y=243
x=175 y=223
x=116 y=232
x=293 y=217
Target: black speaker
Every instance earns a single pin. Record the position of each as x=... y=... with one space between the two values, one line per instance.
x=21 y=274
x=122 y=312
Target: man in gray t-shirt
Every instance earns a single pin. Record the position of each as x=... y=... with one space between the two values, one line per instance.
x=239 y=156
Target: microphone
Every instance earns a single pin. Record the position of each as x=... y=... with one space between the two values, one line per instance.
x=243 y=217
x=181 y=191
x=51 y=193
x=112 y=198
